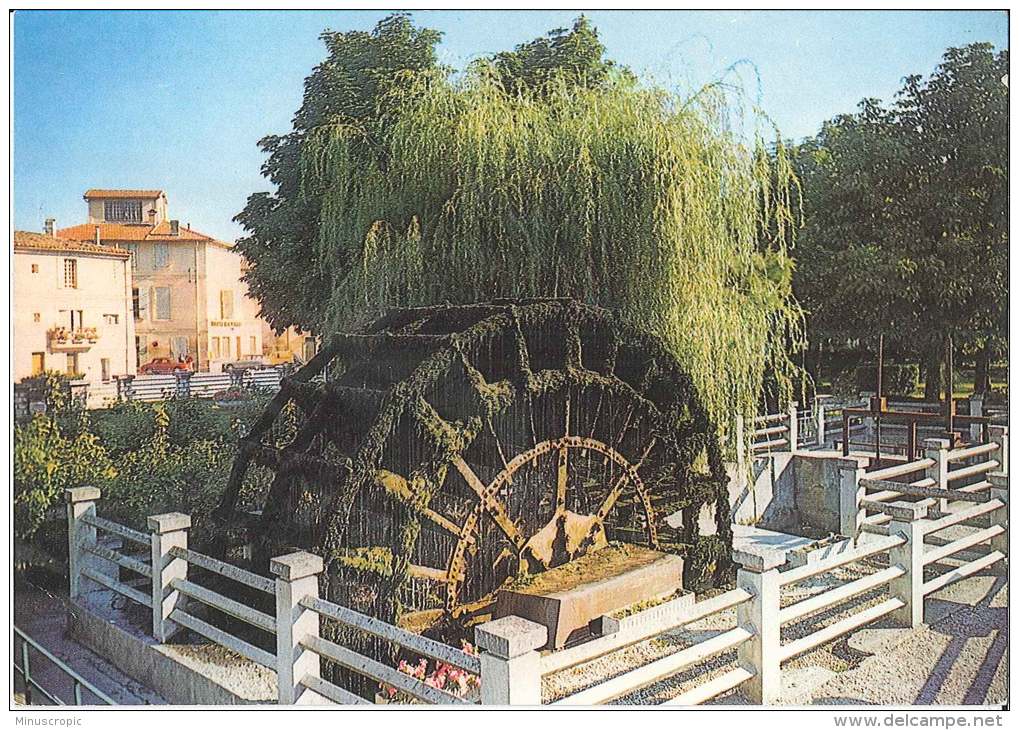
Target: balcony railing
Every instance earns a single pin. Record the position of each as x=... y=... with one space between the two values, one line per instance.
x=64 y=339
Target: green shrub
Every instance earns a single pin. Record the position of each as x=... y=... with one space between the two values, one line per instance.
x=125 y=426
x=147 y=458
x=46 y=462
x=897 y=379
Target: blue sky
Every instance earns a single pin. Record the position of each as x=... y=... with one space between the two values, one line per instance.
x=178 y=99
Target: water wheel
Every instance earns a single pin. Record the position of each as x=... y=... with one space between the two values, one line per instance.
x=453 y=448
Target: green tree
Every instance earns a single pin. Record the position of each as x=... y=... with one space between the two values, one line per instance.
x=349 y=87
x=905 y=228
x=575 y=53
x=545 y=170
x=620 y=195
x=354 y=88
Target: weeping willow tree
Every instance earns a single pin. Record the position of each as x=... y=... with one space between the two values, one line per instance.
x=625 y=195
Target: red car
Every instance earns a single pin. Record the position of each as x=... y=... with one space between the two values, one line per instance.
x=162 y=366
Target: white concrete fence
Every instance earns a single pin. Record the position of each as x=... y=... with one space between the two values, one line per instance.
x=163 y=566
x=944 y=478
x=509 y=664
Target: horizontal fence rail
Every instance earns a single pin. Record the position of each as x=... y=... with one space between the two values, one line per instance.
x=151 y=388
x=889 y=579
x=30 y=683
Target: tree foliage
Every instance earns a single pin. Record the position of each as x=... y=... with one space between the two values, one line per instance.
x=575 y=54
x=621 y=195
x=546 y=170
x=348 y=88
x=905 y=231
x=146 y=458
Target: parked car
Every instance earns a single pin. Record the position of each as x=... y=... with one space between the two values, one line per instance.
x=162 y=366
x=284 y=357
x=249 y=364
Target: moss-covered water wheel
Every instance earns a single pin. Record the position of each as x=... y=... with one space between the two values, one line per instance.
x=455 y=447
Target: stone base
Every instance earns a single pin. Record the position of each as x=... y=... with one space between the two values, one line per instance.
x=184 y=674
x=574 y=600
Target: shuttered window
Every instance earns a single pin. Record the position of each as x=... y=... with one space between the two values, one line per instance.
x=123 y=211
x=70 y=274
x=226 y=304
x=162 y=302
x=161 y=255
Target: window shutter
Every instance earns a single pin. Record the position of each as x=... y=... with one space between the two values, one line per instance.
x=143 y=303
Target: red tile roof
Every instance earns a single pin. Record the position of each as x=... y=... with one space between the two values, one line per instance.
x=99 y=193
x=130 y=232
x=30 y=241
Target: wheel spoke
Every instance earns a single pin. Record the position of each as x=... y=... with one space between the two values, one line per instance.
x=423 y=571
x=617 y=488
x=562 y=476
x=493 y=506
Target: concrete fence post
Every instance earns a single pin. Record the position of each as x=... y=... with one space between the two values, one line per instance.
x=296 y=579
x=908 y=521
x=510 y=664
x=976 y=408
x=166 y=532
x=819 y=419
x=794 y=426
x=851 y=471
x=937 y=449
x=999 y=435
x=741 y=448
x=999 y=490
x=81 y=501
x=758 y=575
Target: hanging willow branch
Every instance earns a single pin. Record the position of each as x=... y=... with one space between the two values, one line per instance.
x=623 y=196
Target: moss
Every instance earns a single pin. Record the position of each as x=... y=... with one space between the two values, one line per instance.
x=415 y=392
x=377 y=560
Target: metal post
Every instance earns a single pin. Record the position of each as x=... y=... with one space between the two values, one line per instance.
x=819 y=409
x=81 y=501
x=976 y=408
x=949 y=393
x=183 y=378
x=296 y=579
x=845 y=432
x=741 y=451
x=26 y=673
x=510 y=664
x=908 y=522
x=166 y=532
x=758 y=575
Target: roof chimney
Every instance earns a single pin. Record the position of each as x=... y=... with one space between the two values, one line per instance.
x=50 y=227
x=174 y=228
x=98 y=239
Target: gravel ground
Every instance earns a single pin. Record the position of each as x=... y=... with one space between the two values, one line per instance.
x=959 y=657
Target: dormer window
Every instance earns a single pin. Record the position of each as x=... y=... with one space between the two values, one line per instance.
x=123 y=211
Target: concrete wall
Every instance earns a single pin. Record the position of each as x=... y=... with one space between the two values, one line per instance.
x=222 y=272
x=792 y=493
x=182 y=675
x=180 y=276
x=104 y=288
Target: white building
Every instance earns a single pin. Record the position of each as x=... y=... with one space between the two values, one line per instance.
x=72 y=308
x=189 y=297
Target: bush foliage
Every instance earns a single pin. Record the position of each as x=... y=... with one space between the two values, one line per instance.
x=146 y=458
x=901 y=379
